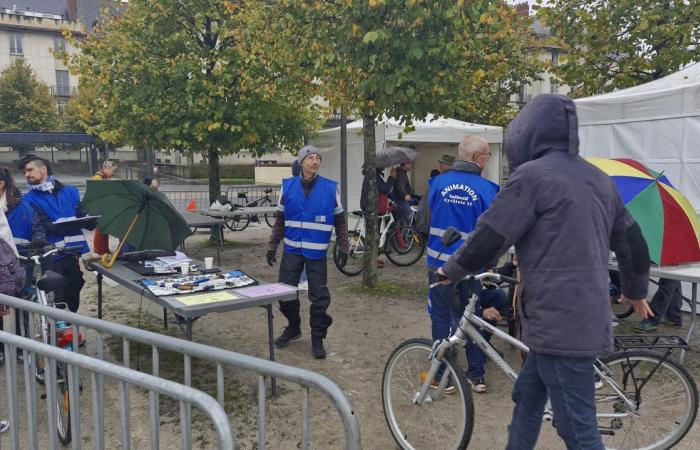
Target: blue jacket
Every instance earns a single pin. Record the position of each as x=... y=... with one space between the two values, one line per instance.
x=62 y=202
x=308 y=221
x=456 y=198
x=20 y=219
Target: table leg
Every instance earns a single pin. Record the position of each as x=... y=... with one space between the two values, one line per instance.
x=273 y=380
x=220 y=234
x=99 y=296
x=693 y=317
x=188 y=328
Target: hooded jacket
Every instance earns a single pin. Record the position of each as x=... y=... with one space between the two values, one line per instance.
x=564 y=216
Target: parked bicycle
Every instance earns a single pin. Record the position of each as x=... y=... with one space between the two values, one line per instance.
x=644 y=399
x=58 y=333
x=402 y=245
x=240 y=223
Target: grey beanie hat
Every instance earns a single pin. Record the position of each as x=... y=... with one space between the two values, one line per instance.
x=306 y=151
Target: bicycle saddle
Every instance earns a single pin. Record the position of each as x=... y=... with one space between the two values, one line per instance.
x=358 y=213
x=243 y=194
x=52 y=281
x=268 y=191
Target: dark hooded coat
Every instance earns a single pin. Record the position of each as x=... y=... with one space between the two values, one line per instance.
x=563 y=215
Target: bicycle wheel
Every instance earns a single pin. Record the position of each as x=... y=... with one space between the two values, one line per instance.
x=664 y=395
x=63 y=404
x=270 y=219
x=446 y=423
x=405 y=246
x=354 y=264
x=238 y=223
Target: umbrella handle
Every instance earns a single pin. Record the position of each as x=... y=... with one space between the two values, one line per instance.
x=108 y=260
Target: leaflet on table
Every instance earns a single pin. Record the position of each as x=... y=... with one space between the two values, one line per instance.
x=168 y=261
x=198 y=283
x=71 y=219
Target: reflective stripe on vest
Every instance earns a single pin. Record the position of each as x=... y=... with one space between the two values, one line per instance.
x=308 y=225
x=305 y=245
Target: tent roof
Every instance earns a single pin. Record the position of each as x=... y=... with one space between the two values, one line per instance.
x=674 y=95
x=436 y=130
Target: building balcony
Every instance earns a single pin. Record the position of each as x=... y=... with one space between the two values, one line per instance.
x=63 y=91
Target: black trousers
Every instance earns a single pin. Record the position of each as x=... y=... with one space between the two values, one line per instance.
x=291 y=267
x=69 y=267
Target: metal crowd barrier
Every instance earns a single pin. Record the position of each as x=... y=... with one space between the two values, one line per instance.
x=97 y=369
x=264 y=368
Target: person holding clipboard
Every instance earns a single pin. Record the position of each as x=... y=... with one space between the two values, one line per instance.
x=57 y=206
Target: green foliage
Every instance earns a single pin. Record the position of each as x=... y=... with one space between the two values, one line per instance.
x=408 y=58
x=25 y=102
x=622 y=43
x=200 y=76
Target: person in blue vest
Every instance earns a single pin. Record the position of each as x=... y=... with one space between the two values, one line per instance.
x=52 y=200
x=308 y=210
x=457 y=198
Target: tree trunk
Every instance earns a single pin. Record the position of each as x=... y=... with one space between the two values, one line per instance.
x=214 y=183
x=369 y=275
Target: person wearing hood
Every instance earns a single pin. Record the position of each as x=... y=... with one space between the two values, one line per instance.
x=308 y=210
x=564 y=216
x=456 y=199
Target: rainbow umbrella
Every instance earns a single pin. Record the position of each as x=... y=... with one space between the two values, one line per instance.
x=667 y=219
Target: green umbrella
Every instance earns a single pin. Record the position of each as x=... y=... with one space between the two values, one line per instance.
x=138 y=214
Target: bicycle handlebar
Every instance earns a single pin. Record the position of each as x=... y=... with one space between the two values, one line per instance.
x=493 y=276
x=44 y=251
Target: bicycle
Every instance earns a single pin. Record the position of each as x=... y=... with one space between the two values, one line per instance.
x=403 y=245
x=240 y=223
x=635 y=392
x=41 y=290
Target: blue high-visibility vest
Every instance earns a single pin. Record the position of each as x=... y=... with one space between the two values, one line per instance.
x=308 y=221
x=62 y=203
x=457 y=198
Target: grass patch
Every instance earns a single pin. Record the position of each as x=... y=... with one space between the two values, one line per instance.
x=383 y=289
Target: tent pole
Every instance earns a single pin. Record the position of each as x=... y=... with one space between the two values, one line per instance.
x=343 y=158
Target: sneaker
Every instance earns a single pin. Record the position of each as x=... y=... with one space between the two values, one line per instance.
x=448 y=390
x=304 y=285
x=670 y=323
x=290 y=334
x=317 y=347
x=645 y=326
x=4 y=426
x=478 y=385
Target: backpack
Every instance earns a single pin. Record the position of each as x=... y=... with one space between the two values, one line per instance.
x=12 y=275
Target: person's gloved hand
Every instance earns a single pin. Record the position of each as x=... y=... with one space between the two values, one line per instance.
x=271 y=258
x=342 y=258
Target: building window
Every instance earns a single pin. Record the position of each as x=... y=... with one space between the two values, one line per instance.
x=59 y=44
x=15 y=44
x=62 y=83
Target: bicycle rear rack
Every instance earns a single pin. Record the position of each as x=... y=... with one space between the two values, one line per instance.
x=651 y=342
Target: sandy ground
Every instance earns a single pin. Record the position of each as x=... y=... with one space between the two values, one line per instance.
x=366 y=328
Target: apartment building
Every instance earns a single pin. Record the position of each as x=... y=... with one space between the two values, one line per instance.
x=33 y=30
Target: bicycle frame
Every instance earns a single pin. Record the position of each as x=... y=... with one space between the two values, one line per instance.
x=468 y=329
x=385 y=223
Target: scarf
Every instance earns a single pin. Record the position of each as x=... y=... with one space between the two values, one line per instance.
x=47 y=185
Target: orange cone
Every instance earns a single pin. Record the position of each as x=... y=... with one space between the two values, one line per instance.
x=192 y=206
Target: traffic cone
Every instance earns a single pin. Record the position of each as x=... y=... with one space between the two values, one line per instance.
x=192 y=206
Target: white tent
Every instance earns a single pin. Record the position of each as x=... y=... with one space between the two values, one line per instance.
x=432 y=138
x=657 y=123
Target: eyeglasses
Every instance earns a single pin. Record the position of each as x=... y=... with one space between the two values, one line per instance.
x=485 y=153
